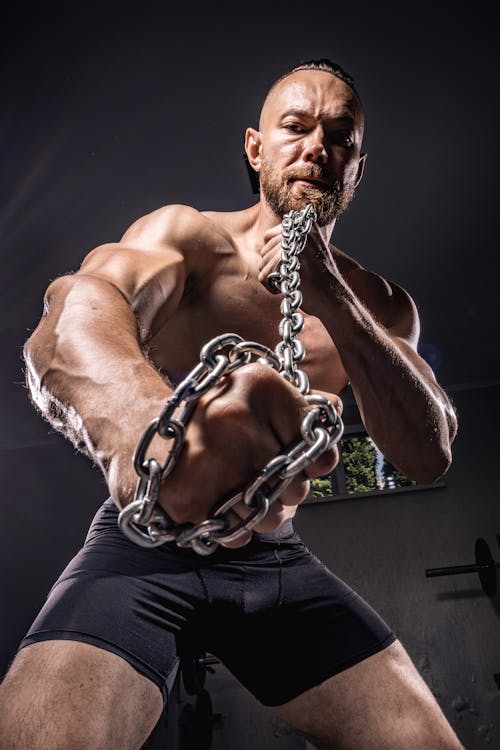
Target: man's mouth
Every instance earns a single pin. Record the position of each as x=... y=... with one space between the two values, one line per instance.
x=311 y=182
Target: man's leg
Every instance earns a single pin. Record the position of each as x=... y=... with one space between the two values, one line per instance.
x=381 y=702
x=100 y=658
x=64 y=694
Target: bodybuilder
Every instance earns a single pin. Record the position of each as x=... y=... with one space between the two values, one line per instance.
x=115 y=337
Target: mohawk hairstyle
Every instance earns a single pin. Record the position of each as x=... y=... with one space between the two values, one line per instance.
x=325 y=64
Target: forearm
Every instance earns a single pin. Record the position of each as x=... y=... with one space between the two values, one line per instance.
x=87 y=373
x=403 y=408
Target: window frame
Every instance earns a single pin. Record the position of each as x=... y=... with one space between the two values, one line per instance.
x=338 y=477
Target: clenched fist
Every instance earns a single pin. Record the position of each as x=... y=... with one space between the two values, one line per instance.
x=236 y=428
x=315 y=259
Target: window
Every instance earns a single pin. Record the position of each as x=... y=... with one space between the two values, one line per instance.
x=362 y=469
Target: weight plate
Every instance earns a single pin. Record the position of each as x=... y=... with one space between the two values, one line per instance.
x=488 y=572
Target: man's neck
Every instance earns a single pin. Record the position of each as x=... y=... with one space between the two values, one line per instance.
x=263 y=218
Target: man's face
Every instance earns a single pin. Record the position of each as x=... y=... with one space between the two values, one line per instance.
x=311 y=131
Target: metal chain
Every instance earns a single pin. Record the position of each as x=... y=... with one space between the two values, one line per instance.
x=295 y=228
x=143 y=520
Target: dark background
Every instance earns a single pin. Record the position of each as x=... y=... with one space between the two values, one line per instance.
x=108 y=112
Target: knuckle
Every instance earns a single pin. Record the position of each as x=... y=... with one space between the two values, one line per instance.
x=255 y=378
x=225 y=409
x=325 y=463
x=297 y=490
x=272 y=233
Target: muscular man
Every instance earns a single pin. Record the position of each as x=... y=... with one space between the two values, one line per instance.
x=114 y=338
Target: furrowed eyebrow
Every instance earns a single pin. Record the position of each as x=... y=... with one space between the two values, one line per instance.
x=342 y=117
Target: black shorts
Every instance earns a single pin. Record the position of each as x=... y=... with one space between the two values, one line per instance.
x=278 y=619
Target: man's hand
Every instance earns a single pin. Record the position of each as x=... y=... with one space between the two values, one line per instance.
x=316 y=261
x=236 y=428
x=374 y=325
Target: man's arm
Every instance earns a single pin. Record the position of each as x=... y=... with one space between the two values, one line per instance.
x=86 y=366
x=402 y=406
x=90 y=378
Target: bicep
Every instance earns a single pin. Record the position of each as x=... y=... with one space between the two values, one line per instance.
x=151 y=280
x=390 y=305
x=394 y=309
x=404 y=329
x=401 y=317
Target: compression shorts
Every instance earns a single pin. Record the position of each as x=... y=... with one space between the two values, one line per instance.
x=278 y=619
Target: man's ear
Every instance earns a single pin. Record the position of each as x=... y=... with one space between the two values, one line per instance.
x=253 y=148
x=361 y=169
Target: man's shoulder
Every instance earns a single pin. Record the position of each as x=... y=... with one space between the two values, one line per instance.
x=389 y=302
x=364 y=279
x=176 y=226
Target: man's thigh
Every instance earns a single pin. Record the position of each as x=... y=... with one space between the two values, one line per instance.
x=297 y=623
x=65 y=694
x=381 y=702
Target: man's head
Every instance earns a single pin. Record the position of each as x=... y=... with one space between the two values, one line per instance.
x=308 y=146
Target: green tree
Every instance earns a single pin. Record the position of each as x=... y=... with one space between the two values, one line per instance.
x=359 y=458
x=321 y=487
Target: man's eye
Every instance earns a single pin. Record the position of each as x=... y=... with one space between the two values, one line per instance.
x=343 y=139
x=294 y=127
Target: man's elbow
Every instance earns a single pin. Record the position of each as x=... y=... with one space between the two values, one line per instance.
x=40 y=348
x=436 y=459
x=35 y=363
x=430 y=463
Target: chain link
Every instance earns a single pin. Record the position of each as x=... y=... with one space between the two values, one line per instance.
x=295 y=228
x=143 y=520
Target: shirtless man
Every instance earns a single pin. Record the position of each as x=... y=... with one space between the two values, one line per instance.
x=98 y=661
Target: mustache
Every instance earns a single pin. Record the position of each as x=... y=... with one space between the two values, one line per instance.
x=313 y=172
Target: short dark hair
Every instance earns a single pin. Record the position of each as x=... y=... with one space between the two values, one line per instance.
x=325 y=64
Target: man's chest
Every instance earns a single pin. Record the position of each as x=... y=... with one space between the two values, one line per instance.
x=234 y=301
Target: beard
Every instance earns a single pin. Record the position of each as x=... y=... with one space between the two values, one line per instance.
x=329 y=201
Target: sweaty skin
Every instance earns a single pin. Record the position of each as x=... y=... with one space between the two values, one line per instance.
x=117 y=334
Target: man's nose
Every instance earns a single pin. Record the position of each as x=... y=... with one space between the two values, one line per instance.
x=315 y=149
